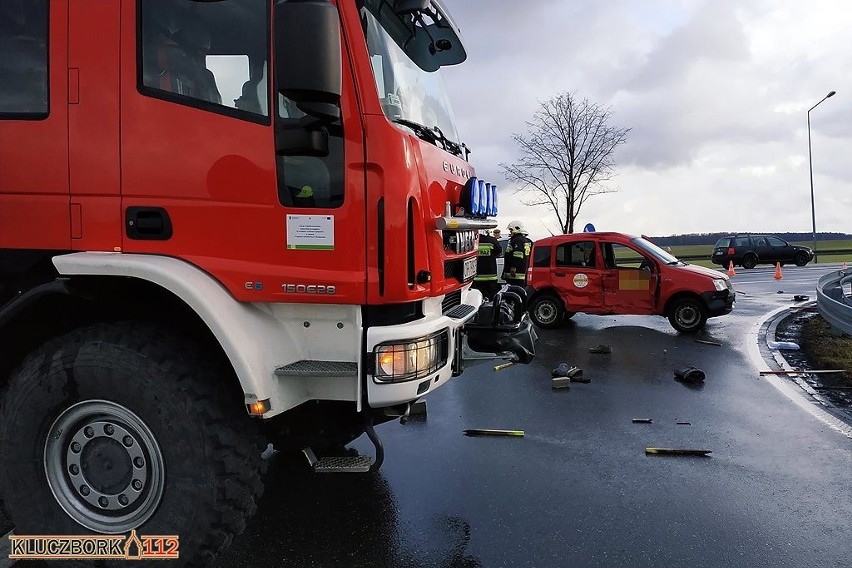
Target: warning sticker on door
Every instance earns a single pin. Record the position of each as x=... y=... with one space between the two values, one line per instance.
x=581 y=280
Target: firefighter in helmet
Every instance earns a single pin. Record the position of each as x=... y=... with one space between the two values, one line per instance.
x=517 y=255
x=486 y=265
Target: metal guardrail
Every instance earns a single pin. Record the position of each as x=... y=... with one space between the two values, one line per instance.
x=833 y=303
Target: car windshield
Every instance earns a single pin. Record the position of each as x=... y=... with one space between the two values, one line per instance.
x=655 y=251
x=408 y=93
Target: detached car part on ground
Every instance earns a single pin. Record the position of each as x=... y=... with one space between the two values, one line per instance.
x=615 y=273
x=750 y=250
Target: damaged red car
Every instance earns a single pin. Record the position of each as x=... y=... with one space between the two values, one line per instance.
x=614 y=273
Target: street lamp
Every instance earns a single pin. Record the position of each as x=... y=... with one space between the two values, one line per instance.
x=811 y=169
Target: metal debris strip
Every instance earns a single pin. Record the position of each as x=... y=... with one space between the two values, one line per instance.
x=676 y=452
x=706 y=342
x=486 y=432
x=803 y=372
x=684 y=423
x=643 y=420
x=502 y=366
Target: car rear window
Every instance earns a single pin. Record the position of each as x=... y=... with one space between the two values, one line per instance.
x=723 y=243
x=541 y=257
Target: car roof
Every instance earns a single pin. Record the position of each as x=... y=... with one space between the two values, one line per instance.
x=572 y=237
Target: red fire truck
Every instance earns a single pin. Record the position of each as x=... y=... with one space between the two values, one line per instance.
x=212 y=211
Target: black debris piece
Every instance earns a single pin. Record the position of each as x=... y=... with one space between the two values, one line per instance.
x=689 y=375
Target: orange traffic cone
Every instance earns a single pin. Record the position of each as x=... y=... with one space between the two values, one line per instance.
x=778 y=275
x=731 y=269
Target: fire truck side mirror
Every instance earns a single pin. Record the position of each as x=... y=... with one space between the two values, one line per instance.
x=308 y=61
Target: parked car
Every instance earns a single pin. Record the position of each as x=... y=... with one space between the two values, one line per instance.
x=750 y=250
x=615 y=273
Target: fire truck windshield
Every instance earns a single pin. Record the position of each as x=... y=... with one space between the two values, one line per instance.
x=408 y=93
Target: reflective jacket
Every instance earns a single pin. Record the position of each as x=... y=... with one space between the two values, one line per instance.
x=517 y=256
x=486 y=263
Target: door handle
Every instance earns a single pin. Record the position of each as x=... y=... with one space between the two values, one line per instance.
x=148 y=223
x=559 y=274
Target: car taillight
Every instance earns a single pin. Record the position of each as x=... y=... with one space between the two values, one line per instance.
x=730 y=250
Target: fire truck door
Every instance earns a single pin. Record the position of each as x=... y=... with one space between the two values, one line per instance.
x=34 y=125
x=93 y=125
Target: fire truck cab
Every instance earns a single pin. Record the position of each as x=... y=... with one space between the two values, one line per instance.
x=217 y=210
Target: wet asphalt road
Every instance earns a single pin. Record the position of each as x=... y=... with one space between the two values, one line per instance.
x=578 y=489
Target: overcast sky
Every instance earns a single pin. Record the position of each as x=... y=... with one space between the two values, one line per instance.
x=716 y=93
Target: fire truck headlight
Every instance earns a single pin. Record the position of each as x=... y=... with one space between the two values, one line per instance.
x=410 y=360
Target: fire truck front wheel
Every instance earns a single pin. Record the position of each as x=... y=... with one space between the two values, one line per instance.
x=123 y=426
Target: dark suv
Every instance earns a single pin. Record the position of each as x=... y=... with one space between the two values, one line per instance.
x=750 y=250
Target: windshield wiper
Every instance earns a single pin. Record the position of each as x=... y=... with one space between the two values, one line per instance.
x=432 y=135
x=423 y=132
x=449 y=145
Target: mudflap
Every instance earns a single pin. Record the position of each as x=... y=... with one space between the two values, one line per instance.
x=503 y=326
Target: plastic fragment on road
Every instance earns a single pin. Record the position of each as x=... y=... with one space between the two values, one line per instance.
x=676 y=452
x=561 y=383
x=684 y=423
x=601 y=349
x=784 y=345
x=801 y=298
x=689 y=375
x=643 y=420
x=706 y=342
x=487 y=432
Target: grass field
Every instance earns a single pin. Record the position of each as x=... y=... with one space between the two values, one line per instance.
x=823 y=248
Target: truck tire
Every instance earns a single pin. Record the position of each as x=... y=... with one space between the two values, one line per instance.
x=123 y=426
x=546 y=311
x=688 y=315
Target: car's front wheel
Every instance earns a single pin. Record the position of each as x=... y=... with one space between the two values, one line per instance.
x=546 y=311
x=688 y=315
x=801 y=258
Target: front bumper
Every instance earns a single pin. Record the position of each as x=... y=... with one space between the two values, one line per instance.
x=719 y=303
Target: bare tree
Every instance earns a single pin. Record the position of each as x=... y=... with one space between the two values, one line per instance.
x=566 y=156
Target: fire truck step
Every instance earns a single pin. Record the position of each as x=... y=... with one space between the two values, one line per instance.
x=311 y=368
x=343 y=464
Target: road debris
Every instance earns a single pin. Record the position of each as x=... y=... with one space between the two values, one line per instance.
x=643 y=420
x=601 y=349
x=502 y=366
x=684 y=423
x=484 y=432
x=801 y=298
x=783 y=345
x=676 y=452
x=803 y=371
x=689 y=375
x=706 y=342
x=561 y=383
